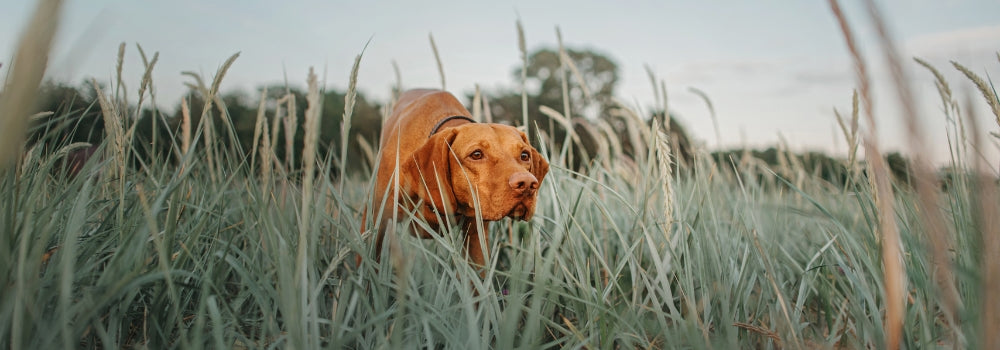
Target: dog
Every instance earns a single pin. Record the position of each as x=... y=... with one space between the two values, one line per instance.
x=452 y=169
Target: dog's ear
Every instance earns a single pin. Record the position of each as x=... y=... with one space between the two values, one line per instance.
x=539 y=166
x=427 y=175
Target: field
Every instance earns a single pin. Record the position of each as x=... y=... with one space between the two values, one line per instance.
x=224 y=247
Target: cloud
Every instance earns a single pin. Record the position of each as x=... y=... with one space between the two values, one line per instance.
x=976 y=41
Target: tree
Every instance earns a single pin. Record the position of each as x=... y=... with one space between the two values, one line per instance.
x=599 y=74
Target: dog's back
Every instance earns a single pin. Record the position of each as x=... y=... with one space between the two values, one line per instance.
x=417 y=111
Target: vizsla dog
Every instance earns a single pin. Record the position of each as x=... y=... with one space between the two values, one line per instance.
x=450 y=166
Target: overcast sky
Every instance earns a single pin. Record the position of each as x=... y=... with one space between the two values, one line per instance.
x=772 y=68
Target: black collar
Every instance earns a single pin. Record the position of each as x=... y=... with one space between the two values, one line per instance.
x=445 y=120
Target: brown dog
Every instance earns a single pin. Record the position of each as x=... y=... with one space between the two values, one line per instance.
x=450 y=166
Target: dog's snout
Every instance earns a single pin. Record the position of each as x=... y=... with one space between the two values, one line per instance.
x=522 y=182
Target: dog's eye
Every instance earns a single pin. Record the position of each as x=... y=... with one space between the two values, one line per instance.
x=525 y=156
x=476 y=155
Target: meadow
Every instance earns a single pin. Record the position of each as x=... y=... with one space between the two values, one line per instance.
x=216 y=246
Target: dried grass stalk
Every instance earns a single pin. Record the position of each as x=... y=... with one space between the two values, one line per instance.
x=258 y=126
x=437 y=58
x=185 y=126
x=892 y=263
x=113 y=132
x=487 y=111
x=711 y=113
x=291 y=122
x=266 y=159
x=666 y=111
x=652 y=81
x=563 y=59
x=25 y=75
x=587 y=95
x=663 y=160
x=345 y=127
x=850 y=132
x=477 y=105
x=311 y=128
x=989 y=232
x=366 y=149
x=988 y=93
x=147 y=79
x=926 y=183
x=524 y=74
x=614 y=143
x=121 y=92
x=567 y=124
x=762 y=331
x=398 y=88
x=637 y=130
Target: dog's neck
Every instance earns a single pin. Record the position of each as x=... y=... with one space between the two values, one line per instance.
x=440 y=124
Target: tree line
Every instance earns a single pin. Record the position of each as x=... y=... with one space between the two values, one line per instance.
x=80 y=120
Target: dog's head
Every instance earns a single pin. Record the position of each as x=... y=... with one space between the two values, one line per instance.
x=491 y=165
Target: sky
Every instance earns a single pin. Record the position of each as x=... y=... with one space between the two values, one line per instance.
x=774 y=70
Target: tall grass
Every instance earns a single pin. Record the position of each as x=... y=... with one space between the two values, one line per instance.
x=25 y=75
x=225 y=252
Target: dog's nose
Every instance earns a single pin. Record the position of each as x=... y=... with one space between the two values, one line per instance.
x=523 y=181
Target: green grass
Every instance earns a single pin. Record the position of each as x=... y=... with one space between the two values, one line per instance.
x=205 y=251
x=195 y=262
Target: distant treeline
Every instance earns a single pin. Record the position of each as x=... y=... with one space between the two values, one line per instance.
x=77 y=115
x=816 y=164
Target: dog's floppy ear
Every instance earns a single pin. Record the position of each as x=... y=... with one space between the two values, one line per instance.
x=539 y=166
x=427 y=175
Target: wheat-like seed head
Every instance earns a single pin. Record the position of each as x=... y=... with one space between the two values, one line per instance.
x=477 y=105
x=311 y=128
x=222 y=73
x=487 y=111
x=663 y=160
x=113 y=131
x=942 y=85
x=291 y=122
x=258 y=126
x=266 y=158
x=988 y=93
x=147 y=78
x=185 y=126
x=345 y=127
x=121 y=93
